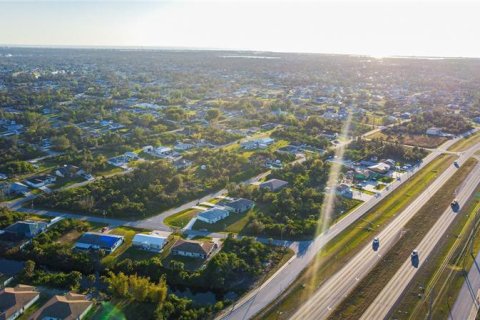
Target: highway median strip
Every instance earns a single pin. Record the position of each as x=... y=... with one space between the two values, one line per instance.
x=353 y=306
x=438 y=283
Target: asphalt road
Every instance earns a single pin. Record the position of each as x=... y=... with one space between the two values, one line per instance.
x=385 y=301
x=468 y=301
x=335 y=289
x=261 y=297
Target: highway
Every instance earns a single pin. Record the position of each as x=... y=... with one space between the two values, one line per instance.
x=272 y=288
x=468 y=301
x=385 y=301
x=335 y=289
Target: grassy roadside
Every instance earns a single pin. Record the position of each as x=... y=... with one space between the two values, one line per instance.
x=464 y=143
x=339 y=251
x=181 y=219
x=440 y=280
x=414 y=231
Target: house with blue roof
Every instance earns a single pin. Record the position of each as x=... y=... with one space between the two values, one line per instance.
x=99 y=241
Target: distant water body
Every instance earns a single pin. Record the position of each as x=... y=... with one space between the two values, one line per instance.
x=249 y=57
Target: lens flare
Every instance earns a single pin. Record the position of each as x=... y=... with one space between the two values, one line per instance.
x=328 y=205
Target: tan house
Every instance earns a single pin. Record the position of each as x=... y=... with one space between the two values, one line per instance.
x=71 y=306
x=14 y=301
x=194 y=249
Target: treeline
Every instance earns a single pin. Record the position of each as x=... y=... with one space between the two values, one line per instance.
x=448 y=122
x=8 y=217
x=153 y=187
x=45 y=250
x=361 y=149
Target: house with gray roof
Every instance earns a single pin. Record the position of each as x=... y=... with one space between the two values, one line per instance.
x=25 y=229
x=240 y=205
x=213 y=215
x=273 y=184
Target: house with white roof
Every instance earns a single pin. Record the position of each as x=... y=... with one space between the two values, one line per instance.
x=150 y=242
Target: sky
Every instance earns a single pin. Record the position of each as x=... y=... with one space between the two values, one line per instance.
x=379 y=28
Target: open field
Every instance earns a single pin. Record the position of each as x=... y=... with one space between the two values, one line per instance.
x=366 y=291
x=443 y=277
x=338 y=252
x=465 y=143
x=423 y=141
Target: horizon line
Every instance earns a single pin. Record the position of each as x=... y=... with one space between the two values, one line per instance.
x=185 y=48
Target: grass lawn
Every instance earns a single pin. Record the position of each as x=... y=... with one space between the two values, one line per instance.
x=411 y=140
x=341 y=249
x=128 y=233
x=181 y=218
x=136 y=254
x=465 y=143
x=72 y=236
x=109 y=171
x=139 y=254
x=370 y=193
x=235 y=222
x=65 y=182
x=415 y=230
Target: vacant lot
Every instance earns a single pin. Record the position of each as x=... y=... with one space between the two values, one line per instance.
x=180 y=219
x=423 y=141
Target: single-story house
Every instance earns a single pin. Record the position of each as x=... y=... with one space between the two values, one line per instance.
x=213 y=215
x=240 y=205
x=69 y=171
x=273 y=184
x=97 y=241
x=18 y=188
x=182 y=163
x=151 y=242
x=261 y=143
x=380 y=167
x=40 y=181
x=181 y=146
x=161 y=151
x=71 y=306
x=194 y=249
x=26 y=229
x=344 y=190
x=14 y=301
x=433 y=131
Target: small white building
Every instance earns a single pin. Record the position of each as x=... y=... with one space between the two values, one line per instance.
x=150 y=242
